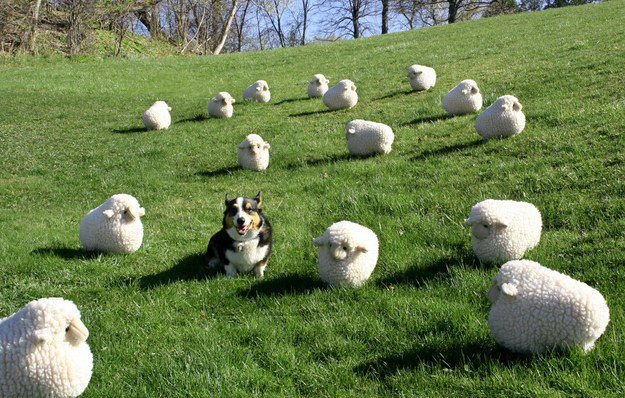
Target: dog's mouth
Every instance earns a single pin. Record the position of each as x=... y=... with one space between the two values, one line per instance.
x=243 y=229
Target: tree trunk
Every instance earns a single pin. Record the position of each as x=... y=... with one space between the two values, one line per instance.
x=452 y=12
x=304 y=22
x=355 y=19
x=32 y=45
x=226 y=29
x=384 y=17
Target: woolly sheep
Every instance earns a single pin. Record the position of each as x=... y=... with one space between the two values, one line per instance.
x=157 y=116
x=115 y=226
x=348 y=253
x=537 y=309
x=464 y=98
x=341 y=96
x=503 y=118
x=318 y=86
x=221 y=105
x=44 y=351
x=367 y=138
x=258 y=91
x=502 y=230
x=254 y=153
x=421 y=77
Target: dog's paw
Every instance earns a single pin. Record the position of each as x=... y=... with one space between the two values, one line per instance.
x=231 y=272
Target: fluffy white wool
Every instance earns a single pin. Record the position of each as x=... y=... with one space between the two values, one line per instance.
x=254 y=153
x=318 y=86
x=464 y=98
x=114 y=226
x=537 y=309
x=341 y=96
x=43 y=351
x=366 y=138
x=157 y=116
x=502 y=230
x=221 y=105
x=348 y=253
x=258 y=91
x=504 y=118
x=421 y=77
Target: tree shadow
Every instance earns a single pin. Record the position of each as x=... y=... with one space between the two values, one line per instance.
x=194 y=119
x=131 y=130
x=219 y=172
x=284 y=101
x=311 y=113
x=190 y=268
x=65 y=253
x=284 y=285
x=455 y=356
x=447 y=150
x=324 y=160
x=428 y=119
x=395 y=94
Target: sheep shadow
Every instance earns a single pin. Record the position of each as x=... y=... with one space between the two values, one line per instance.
x=428 y=119
x=285 y=101
x=130 y=130
x=311 y=113
x=455 y=356
x=66 y=253
x=219 y=172
x=285 y=285
x=324 y=160
x=395 y=94
x=189 y=268
x=447 y=150
x=194 y=119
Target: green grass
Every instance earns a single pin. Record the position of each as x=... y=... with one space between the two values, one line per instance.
x=161 y=326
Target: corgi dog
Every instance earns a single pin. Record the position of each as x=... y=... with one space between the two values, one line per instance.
x=243 y=244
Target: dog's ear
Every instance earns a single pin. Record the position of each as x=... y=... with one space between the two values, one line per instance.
x=228 y=199
x=259 y=199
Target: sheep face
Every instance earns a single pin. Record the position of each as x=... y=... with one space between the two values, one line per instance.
x=338 y=250
x=124 y=208
x=483 y=228
x=61 y=323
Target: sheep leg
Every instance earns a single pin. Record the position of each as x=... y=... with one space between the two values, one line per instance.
x=259 y=269
x=231 y=272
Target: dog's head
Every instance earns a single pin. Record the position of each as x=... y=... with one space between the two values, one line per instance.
x=243 y=217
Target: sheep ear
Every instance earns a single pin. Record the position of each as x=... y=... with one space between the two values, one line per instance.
x=351 y=130
x=141 y=211
x=354 y=87
x=108 y=213
x=500 y=224
x=169 y=108
x=361 y=249
x=471 y=220
x=474 y=90
x=228 y=199
x=243 y=145
x=320 y=241
x=517 y=106
x=509 y=289
x=224 y=101
x=232 y=100
x=465 y=92
x=259 y=198
x=267 y=146
x=42 y=335
x=504 y=107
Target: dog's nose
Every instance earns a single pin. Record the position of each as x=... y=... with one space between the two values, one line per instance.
x=240 y=221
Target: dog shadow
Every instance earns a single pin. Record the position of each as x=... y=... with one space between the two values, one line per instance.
x=455 y=356
x=219 y=172
x=194 y=119
x=447 y=150
x=130 y=130
x=394 y=94
x=285 y=101
x=65 y=253
x=311 y=113
x=189 y=268
x=284 y=285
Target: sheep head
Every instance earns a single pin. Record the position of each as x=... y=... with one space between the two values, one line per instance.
x=254 y=144
x=123 y=206
x=339 y=249
x=482 y=226
x=499 y=288
x=54 y=319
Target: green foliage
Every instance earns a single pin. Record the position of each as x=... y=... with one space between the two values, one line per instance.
x=162 y=326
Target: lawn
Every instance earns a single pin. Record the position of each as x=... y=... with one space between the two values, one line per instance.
x=163 y=326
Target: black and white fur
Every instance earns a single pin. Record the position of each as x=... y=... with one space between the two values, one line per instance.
x=244 y=242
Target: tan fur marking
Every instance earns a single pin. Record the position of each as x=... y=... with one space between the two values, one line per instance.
x=248 y=206
x=229 y=223
x=255 y=221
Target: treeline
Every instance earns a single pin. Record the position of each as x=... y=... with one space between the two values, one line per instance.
x=214 y=26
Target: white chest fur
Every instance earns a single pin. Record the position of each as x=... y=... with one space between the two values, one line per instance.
x=246 y=254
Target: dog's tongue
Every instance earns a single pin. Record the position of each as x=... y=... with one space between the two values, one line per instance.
x=243 y=230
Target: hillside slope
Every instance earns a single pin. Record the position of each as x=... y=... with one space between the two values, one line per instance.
x=162 y=326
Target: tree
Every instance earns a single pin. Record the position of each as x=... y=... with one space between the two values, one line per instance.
x=347 y=17
x=273 y=11
x=385 y=6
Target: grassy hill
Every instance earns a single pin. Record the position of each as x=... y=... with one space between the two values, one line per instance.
x=162 y=326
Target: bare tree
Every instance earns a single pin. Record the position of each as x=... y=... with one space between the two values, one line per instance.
x=273 y=11
x=347 y=17
x=225 y=29
x=240 y=23
x=385 y=9
x=32 y=37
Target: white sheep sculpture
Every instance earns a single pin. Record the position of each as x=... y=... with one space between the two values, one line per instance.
x=114 y=226
x=341 y=96
x=258 y=91
x=536 y=309
x=254 y=153
x=348 y=253
x=463 y=99
x=421 y=77
x=44 y=351
x=504 y=118
x=368 y=138
x=318 y=86
x=221 y=105
x=157 y=116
